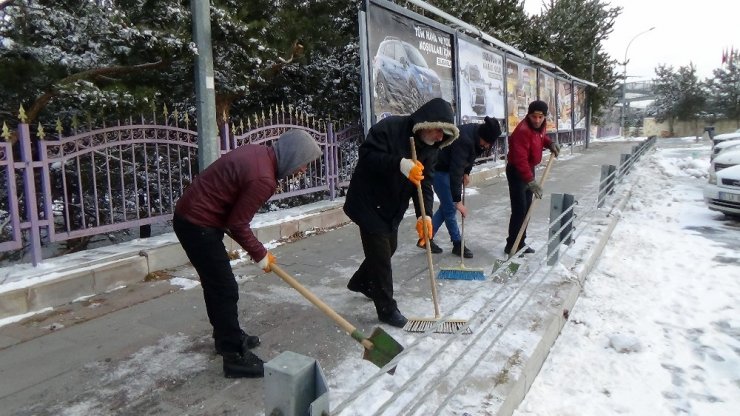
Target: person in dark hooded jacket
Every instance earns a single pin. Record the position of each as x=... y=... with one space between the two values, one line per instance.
x=526 y=144
x=452 y=171
x=382 y=183
x=224 y=198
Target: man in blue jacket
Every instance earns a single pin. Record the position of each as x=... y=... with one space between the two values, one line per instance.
x=382 y=183
x=452 y=171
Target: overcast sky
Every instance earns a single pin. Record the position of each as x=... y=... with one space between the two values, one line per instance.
x=685 y=32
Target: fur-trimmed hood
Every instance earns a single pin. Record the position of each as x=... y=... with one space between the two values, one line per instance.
x=436 y=114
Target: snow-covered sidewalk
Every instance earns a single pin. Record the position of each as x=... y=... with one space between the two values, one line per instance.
x=656 y=330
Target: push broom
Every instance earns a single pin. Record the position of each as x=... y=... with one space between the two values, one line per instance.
x=461 y=272
x=512 y=267
x=449 y=326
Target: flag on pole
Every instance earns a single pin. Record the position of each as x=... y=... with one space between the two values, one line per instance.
x=724 y=56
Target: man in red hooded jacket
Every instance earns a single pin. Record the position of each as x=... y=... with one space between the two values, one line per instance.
x=525 y=153
x=224 y=198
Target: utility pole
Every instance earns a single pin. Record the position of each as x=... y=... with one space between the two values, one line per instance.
x=205 y=90
x=624 y=80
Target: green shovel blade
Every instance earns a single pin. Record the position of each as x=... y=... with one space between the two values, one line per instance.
x=385 y=348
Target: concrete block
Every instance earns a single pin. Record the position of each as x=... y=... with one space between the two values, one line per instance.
x=230 y=244
x=288 y=228
x=13 y=302
x=295 y=386
x=165 y=257
x=334 y=218
x=119 y=273
x=268 y=233
x=62 y=290
x=309 y=223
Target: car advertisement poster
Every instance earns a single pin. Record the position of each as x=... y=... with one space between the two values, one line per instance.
x=564 y=104
x=521 y=84
x=547 y=94
x=579 y=107
x=411 y=63
x=481 y=75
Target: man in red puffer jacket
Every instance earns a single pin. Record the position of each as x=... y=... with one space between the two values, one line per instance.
x=525 y=153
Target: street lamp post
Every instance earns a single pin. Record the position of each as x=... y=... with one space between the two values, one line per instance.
x=624 y=80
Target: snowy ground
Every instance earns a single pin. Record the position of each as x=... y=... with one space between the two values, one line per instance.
x=656 y=330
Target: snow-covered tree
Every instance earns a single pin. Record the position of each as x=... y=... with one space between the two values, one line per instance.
x=724 y=91
x=570 y=34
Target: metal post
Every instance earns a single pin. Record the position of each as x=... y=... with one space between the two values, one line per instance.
x=205 y=92
x=624 y=80
x=29 y=190
x=566 y=222
x=553 y=245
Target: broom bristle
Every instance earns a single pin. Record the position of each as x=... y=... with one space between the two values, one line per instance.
x=450 y=326
x=461 y=274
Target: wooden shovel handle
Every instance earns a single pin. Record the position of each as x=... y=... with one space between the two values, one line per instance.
x=515 y=247
x=321 y=305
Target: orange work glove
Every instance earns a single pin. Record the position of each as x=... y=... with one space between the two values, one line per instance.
x=412 y=170
x=420 y=227
x=266 y=261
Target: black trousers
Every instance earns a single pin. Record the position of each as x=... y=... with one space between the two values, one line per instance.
x=521 y=198
x=205 y=249
x=375 y=275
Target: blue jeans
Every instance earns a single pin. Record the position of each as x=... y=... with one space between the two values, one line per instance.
x=446 y=212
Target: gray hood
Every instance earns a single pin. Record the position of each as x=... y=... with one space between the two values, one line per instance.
x=293 y=149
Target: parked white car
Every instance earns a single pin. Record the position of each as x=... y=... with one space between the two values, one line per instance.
x=722 y=193
x=725 y=146
x=726 y=136
x=726 y=159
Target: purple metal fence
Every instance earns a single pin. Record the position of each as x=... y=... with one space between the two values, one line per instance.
x=124 y=176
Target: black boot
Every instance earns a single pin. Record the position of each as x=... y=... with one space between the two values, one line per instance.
x=456 y=250
x=242 y=365
x=391 y=316
x=247 y=342
x=359 y=289
x=435 y=248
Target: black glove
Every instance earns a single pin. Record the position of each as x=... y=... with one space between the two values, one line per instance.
x=536 y=189
x=554 y=148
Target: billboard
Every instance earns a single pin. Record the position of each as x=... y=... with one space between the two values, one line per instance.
x=411 y=62
x=481 y=75
x=564 y=103
x=546 y=93
x=521 y=89
x=579 y=106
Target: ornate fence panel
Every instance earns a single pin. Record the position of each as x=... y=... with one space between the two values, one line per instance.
x=266 y=130
x=115 y=178
x=130 y=175
x=348 y=142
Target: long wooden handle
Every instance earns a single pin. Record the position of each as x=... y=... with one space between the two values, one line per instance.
x=430 y=264
x=462 y=231
x=519 y=235
x=322 y=306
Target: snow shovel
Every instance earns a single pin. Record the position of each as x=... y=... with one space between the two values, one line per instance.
x=461 y=272
x=380 y=347
x=508 y=267
x=449 y=326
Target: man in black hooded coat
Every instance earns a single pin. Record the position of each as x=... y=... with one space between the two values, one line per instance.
x=381 y=186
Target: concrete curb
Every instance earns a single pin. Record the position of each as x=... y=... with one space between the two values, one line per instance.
x=533 y=364
x=92 y=277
